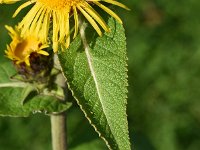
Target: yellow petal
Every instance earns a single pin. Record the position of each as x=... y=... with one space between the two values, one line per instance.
x=55 y=32
x=22 y=7
x=8 y=1
x=26 y=22
x=67 y=31
x=91 y=20
x=43 y=53
x=35 y=20
x=44 y=46
x=116 y=3
x=96 y=16
x=76 y=21
x=39 y=23
x=45 y=27
x=109 y=11
x=27 y=61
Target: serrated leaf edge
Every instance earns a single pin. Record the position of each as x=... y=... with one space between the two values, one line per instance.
x=85 y=113
x=81 y=107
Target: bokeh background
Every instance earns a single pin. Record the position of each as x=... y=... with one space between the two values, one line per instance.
x=163 y=42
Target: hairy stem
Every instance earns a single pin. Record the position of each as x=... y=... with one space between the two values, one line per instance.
x=58 y=130
x=13 y=84
x=58 y=121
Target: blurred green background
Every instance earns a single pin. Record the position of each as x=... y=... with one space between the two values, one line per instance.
x=163 y=41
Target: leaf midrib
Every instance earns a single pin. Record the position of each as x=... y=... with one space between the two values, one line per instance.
x=92 y=70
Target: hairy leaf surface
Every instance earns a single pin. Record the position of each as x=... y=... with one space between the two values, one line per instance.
x=97 y=77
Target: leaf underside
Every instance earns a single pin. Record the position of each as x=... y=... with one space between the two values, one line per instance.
x=97 y=78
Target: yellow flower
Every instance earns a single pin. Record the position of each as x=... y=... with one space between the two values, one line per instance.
x=20 y=48
x=38 y=19
x=8 y=1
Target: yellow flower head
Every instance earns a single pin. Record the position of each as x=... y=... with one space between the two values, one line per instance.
x=21 y=48
x=59 y=12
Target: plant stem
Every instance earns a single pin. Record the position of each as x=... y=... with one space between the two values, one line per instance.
x=58 y=130
x=58 y=121
x=13 y=84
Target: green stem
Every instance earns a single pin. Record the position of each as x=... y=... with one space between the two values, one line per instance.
x=13 y=84
x=58 y=121
x=58 y=130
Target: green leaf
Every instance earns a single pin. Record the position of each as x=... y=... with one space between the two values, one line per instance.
x=13 y=93
x=28 y=89
x=97 y=77
x=10 y=103
x=6 y=71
